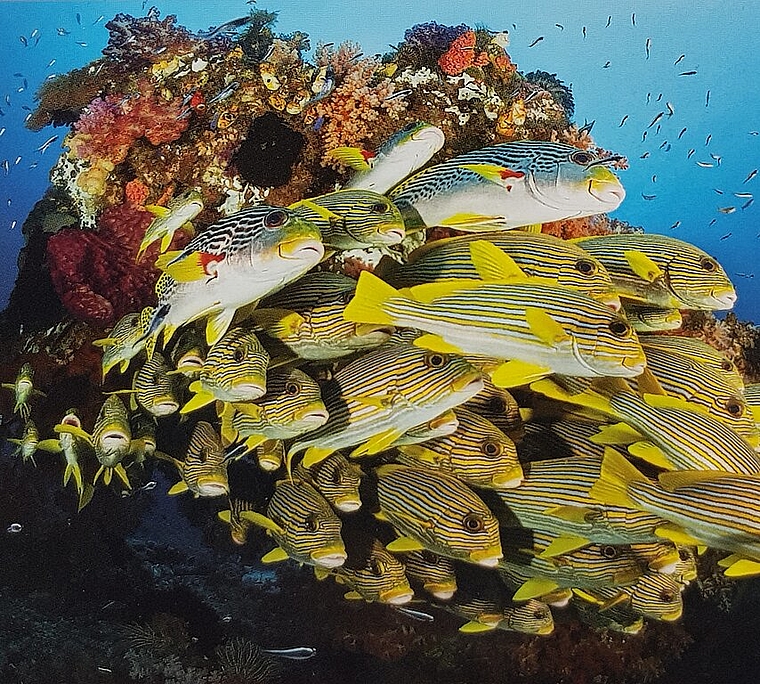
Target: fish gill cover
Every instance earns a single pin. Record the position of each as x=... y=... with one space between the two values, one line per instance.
x=224 y=143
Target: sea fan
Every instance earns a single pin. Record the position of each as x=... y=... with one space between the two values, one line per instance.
x=242 y=660
x=559 y=91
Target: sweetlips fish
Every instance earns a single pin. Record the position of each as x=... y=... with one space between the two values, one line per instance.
x=154 y=388
x=303 y=524
x=307 y=317
x=440 y=426
x=617 y=618
x=669 y=559
x=525 y=254
x=291 y=406
x=402 y=154
x=713 y=508
x=498 y=406
x=510 y=185
x=204 y=470
x=353 y=219
x=534 y=575
x=189 y=352
x=239 y=526
x=662 y=271
x=653 y=595
x=177 y=215
x=27 y=446
x=270 y=455
x=652 y=319
x=126 y=340
x=666 y=431
x=234 y=262
x=486 y=614
x=111 y=438
x=23 y=389
x=337 y=480
x=434 y=572
x=143 y=444
x=234 y=370
x=437 y=512
x=478 y=453
x=375 y=399
x=371 y=573
x=542 y=328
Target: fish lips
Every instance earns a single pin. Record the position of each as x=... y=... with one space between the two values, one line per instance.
x=509 y=479
x=391 y=234
x=165 y=406
x=723 y=298
x=311 y=417
x=330 y=556
x=397 y=596
x=441 y=590
x=348 y=503
x=306 y=249
x=488 y=558
x=212 y=485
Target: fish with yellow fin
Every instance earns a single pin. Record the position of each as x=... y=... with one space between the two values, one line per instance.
x=177 y=215
x=125 y=341
x=23 y=389
x=231 y=264
x=73 y=448
x=337 y=480
x=485 y=614
x=204 y=470
x=434 y=572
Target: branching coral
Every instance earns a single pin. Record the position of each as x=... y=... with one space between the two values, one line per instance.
x=557 y=88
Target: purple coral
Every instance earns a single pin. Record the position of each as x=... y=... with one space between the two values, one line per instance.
x=432 y=36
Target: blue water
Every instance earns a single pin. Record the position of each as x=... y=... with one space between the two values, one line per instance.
x=718 y=41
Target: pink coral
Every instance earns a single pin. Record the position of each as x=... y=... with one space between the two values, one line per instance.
x=95 y=274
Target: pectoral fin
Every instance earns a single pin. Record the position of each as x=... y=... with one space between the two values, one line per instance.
x=534 y=588
x=515 y=373
x=474 y=627
x=276 y=555
x=642 y=265
x=404 y=544
x=544 y=327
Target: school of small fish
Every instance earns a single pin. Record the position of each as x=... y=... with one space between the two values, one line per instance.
x=501 y=402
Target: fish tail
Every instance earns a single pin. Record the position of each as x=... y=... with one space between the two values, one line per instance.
x=368 y=303
x=616 y=475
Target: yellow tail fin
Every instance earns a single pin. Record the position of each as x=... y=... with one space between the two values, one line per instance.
x=368 y=303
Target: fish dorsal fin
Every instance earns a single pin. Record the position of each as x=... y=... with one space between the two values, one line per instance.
x=544 y=327
x=642 y=265
x=404 y=544
x=353 y=157
x=278 y=323
x=475 y=627
x=179 y=488
x=650 y=453
x=672 y=481
x=562 y=545
x=494 y=173
x=437 y=344
x=157 y=210
x=426 y=293
x=217 y=324
x=575 y=514
x=665 y=401
x=323 y=212
x=276 y=555
x=619 y=433
x=535 y=587
x=261 y=520
x=676 y=534
x=549 y=388
x=743 y=567
x=515 y=373
x=492 y=263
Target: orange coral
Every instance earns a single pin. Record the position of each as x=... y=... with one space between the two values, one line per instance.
x=136 y=192
x=461 y=55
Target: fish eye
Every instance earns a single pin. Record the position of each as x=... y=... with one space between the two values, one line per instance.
x=539 y=614
x=734 y=408
x=727 y=365
x=609 y=551
x=585 y=267
x=582 y=157
x=434 y=360
x=203 y=454
x=292 y=389
x=337 y=477
x=379 y=208
x=490 y=448
x=497 y=404
x=667 y=596
x=312 y=524
x=430 y=558
x=708 y=264
x=275 y=219
x=376 y=567
x=473 y=523
x=684 y=554
x=239 y=354
x=619 y=328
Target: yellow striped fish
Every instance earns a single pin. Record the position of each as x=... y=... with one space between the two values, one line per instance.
x=652 y=319
x=307 y=317
x=353 y=219
x=125 y=341
x=662 y=271
x=669 y=559
x=440 y=426
x=270 y=455
x=695 y=349
x=189 y=352
x=154 y=387
x=337 y=480
x=143 y=444
x=553 y=497
x=371 y=573
x=435 y=573
x=703 y=387
x=27 y=446
x=478 y=453
x=752 y=397
x=667 y=432
x=204 y=470
x=234 y=370
x=719 y=509
x=486 y=614
x=239 y=526
x=533 y=575
x=373 y=400
x=73 y=446
x=531 y=254
x=499 y=406
x=178 y=214
x=303 y=524
x=437 y=512
x=291 y=407
x=616 y=618
x=549 y=329
x=23 y=389
x=653 y=595
x=231 y=264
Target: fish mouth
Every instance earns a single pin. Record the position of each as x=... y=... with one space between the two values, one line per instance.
x=469 y=382
x=348 y=504
x=165 y=407
x=635 y=365
x=311 y=415
x=665 y=564
x=441 y=590
x=210 y=485
x=607 y=192
x=391 y=235
x=114 y=439
x=252 y=387
x=302 y=249
x=397 y=596
x=240 y=538
x=329 y=557
x=559 y=598
x=672 y=616
x=611 y=300
x=364 y=329
x=445 y=422
x=725 y=297
x=488 y=558
x=509 y=479
x=269 y=463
